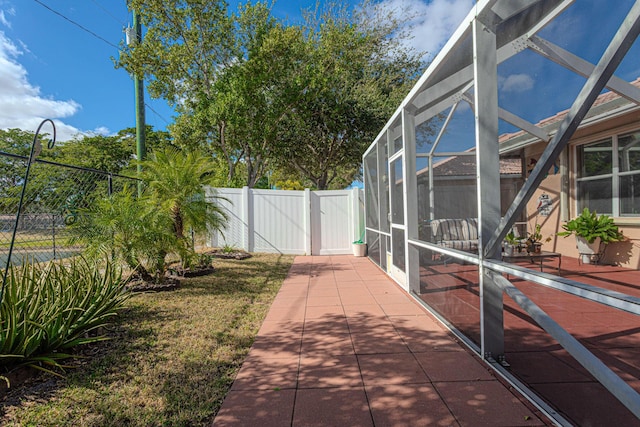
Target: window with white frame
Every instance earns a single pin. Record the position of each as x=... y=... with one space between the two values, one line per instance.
x=608 y=175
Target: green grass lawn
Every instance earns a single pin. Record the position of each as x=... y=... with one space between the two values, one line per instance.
x=172 y=358
x=35 y=240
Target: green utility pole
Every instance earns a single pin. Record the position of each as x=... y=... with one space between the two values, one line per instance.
x=141 y=149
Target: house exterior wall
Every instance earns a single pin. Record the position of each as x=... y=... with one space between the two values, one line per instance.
x=627 y=253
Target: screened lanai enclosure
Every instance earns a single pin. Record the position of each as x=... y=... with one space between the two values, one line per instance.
x=530 y=112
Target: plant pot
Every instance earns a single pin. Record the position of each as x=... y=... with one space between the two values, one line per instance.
x=359 y=249
x=534 y=248
x=508 y=250
x=587 y=250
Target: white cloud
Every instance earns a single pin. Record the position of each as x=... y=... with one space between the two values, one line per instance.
x=430 y=23
x=21 y=104
x=3 y=19
x=516 y=83
x=102 y=130
x=3 y=16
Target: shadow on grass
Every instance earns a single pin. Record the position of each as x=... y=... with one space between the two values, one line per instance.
x=171 y=359
x=254 y=276
x=92 y=361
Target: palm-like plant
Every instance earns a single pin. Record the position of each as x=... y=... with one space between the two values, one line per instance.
x=127 y=228
x=176 y=184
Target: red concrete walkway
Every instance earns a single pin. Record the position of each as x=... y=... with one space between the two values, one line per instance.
x=343 y=345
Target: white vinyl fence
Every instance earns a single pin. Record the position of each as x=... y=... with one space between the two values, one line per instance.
x=290 y=222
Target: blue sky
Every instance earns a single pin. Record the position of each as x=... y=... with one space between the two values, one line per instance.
x=51 y=68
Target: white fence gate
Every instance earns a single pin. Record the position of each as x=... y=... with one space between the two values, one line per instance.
x=290 y=222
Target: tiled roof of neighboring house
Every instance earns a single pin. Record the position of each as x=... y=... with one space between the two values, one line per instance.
x=462 y=166
x=466 y=166
x=606 y=102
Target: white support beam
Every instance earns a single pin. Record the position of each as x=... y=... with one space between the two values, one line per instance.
x=485 y=67
x=438 y=108
x=605 y=376
x=521 y=123
x=578 y=65
x=444 y=89
x=410 y=201
x=517 y=121
x=445 y=125
x=448 y=91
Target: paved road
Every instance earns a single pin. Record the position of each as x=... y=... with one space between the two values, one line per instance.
x=40 y=255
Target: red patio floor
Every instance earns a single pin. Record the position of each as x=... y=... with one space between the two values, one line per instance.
x=343 y=345
x=537 y=359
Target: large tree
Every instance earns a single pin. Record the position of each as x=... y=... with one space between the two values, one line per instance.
x=239 y=118
x=356 y=73
x=303 y=99
x=193 y=55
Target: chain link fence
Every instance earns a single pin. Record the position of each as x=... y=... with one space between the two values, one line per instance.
x=54 y=196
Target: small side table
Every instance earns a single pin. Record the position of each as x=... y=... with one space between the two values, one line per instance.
x=534 y=258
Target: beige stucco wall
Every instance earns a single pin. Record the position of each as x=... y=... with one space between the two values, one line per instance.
x=625 y=253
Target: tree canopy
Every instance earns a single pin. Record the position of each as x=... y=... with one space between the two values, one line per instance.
x=263 y=95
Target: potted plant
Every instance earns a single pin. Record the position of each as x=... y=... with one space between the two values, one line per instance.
x=359 y=248
x=592 y=232
x=534 y=240
x=511 y=243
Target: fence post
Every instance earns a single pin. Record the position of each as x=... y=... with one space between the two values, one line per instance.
x=307 y=222
x=247 y=219
x=53 y=235
x=356 y=218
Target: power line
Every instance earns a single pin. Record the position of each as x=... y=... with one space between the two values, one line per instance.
x=108 y=13
x=98 y=37
x=78 y=25
x=156 y=113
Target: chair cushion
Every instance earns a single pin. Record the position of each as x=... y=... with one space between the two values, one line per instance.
x=462 y=245
x=455 y=229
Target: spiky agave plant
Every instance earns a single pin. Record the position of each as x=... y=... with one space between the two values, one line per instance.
x=50 y=308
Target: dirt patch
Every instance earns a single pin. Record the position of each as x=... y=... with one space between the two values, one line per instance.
x=191 y=272
x=236 y=254
x=28 y=384
x=16 y=375
x=166 y=283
